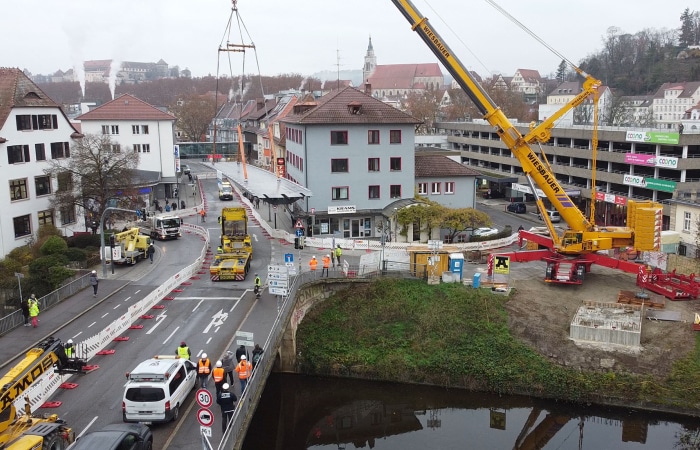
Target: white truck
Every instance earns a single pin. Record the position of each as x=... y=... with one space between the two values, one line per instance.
x=161 y=226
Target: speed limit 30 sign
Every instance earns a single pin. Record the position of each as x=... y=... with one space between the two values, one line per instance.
x=204 y=398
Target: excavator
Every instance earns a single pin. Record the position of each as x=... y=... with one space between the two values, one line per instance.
x=25 y=431
x=576 y=248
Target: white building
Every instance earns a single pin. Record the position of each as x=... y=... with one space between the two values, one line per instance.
x=33 y=130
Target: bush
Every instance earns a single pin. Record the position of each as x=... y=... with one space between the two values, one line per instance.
x=76 y=254
x=54 y=245
x=84 y=240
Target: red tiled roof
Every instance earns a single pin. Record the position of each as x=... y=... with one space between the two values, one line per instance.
x=401 y=76
x=126 y=107
x=18 y=91
x=335 y=108
x=530 y=75
x=433 y=166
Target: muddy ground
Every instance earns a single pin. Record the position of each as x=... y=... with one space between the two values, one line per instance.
x=540 y=315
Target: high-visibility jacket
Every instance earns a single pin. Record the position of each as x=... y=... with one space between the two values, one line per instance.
x=218 y=374
x=338 y=251
x=69 y=350
x=183 y=352
x=326 y=262
x=244 y=369
x=313 y=263
x=257 y=281
x=33 y=308
x=203 y=366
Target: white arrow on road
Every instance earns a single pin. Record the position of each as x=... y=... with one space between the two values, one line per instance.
x=255 y=237
x=217 y=320
x=159 y=318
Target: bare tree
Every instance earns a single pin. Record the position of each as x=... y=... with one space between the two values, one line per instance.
x=95 y=171
x=194 y=115
x=425 y=106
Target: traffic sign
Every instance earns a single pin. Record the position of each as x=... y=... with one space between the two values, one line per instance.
x=288 y=257
x=204 y=398
x=278 y=276
x=277 y=269
x=206 y=431
x=277 y=291
x=245 y=334
x=313 y=210
x=205 y=417
x=278 y=283
x=245 y=343
x=299 y=232
x=299 y=224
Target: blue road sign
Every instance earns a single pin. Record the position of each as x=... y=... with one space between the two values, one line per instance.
x=299 y=232
x=138 y=213
x=288 y=257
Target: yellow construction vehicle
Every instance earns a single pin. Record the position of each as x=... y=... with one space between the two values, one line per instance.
x=128 y=247
x=643 y=230
x=25 y=431
x=237 y=249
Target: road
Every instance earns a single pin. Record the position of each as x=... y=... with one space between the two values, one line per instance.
x=500 y=217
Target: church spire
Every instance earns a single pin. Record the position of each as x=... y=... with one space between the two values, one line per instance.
x=370 y=62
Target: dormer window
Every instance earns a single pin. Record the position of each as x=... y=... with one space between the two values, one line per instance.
x=354 y=108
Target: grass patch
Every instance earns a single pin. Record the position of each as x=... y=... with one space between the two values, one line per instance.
x=409 y=331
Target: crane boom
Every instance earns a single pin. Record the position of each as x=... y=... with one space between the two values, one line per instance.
x=582 y=236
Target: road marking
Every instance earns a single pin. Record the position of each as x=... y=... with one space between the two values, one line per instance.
x=209 y=298
x=208 y=341
x=159 y=318
x=137 y=292
x=218 y=320
x=171 y=335
x=86 y=427
x=234 y=305
x=93 y=323
x=255 y=236
x=104 y=315
x=127 y=299
x=197 y=306
x=116 y=307
x=79 y=333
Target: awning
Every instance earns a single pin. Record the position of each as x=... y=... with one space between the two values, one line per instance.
x=496 y=178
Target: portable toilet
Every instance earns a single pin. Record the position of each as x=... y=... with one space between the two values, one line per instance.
x=456 y=264
x=477 y=280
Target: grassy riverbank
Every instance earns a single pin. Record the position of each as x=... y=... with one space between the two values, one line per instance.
x=449 y=335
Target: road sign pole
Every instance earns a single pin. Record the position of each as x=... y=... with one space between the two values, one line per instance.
x=19 y=282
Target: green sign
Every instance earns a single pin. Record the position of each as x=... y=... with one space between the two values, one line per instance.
x=652 y=137
x=660 y=185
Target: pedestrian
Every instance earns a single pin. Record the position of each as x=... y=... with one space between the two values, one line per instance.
x=183 y=351
x=167 y=208
x=313 y=264
x=257 y=355
x=151 y=250
x=24 y=304
x=244 y=369
x=326 y=264
x=240 y=352
x=34 y=310
x=219 y=376
x=227 y=402
x=332 y=257
x=182 y=204
x=257 y=202
x=69 y=349
x=94 y=282
x=203 y=215
x=156 y=203
x=338 y=253
x=258 y=285
x=203 y=369
x=229 y=365
x=173 y=206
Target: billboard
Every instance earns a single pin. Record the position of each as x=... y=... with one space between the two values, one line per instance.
x=641 y=159
x=649 y=183
x=652 y=137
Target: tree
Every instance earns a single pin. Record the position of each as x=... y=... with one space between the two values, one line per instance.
x=461 y=107
x=96 y=171
x=425 y=216
x=687 y=36
x=459 y=220
x=194 y=115
x=561 y=71
x=425 y=106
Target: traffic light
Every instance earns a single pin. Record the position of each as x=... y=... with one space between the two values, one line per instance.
x=111 y=240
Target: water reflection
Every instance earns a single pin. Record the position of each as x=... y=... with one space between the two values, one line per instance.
x=300 y=412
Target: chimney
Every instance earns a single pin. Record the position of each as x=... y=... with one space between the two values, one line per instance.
x=368 y=88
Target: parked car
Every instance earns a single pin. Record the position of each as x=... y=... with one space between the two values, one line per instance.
x=554 y=216
x=481 y=232
x=517 y=208
x=131 y=436
x=185 y=169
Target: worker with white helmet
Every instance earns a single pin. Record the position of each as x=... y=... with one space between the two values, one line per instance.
x=203 y=369
x=326 y=265
x=69 y=349
x=219 y=375
x=94 y=282
x=227 y=401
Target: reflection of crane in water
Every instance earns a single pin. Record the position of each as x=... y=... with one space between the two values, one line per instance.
x=537 y=437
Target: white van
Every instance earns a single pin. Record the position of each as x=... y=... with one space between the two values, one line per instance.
x=554 y=216
x=157 y=388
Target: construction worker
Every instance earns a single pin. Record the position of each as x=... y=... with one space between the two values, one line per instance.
x=244 y=370
x=203 y=215
x=219 y=250
x=69 y=349
x=203 y=369
x=338 y=253
x=183 y=351
x=34 y=310
x=227 y=401
x=219 y=376
x=326 y=264
x=313 y=264
x=258 y=285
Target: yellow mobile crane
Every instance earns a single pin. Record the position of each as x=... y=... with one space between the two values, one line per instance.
x=643 y=230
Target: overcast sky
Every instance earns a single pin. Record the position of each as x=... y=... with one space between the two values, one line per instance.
x=307 y=36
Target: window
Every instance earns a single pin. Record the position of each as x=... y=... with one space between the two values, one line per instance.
x=135 y=129
x=22 y=226
x=18 y=189
x=395 y=191
x=435 y=188
x=144 y=129
x=374 y=192
x=373 y=164
x=373 y=137
x=340 y=193
x=48 y=121
x=395 y=164
x=60 y=150
x=339 y=165
x=68 y=215
x=40 y=152
x=339 y=138
x=449 y=187
x=105 y=129
x=423 y=188
x=686 y=221
x=114 y=129
x=24 y=122
x=37 y=122
x=137 y=148
x=45 y=217
x=42 y=185
x=65 y=181
x=395 y=136
x=115 y=148
x=17 y=154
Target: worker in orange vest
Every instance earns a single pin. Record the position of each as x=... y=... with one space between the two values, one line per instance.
x=203 y=214
x=203 y=368
x=218 y=374
x=326 y=264
x=313 y=264
x=244 y=370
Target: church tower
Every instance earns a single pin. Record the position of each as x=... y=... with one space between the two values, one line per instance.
x=370 y=62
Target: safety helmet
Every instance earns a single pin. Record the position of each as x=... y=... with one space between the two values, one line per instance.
x=70 y=341
x=94 y=271
x=243 y=357
x=204 y=356
x=225 y=386
x=218 y=364
x=328 y=256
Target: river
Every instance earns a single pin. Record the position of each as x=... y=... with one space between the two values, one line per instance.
x=302 y=412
